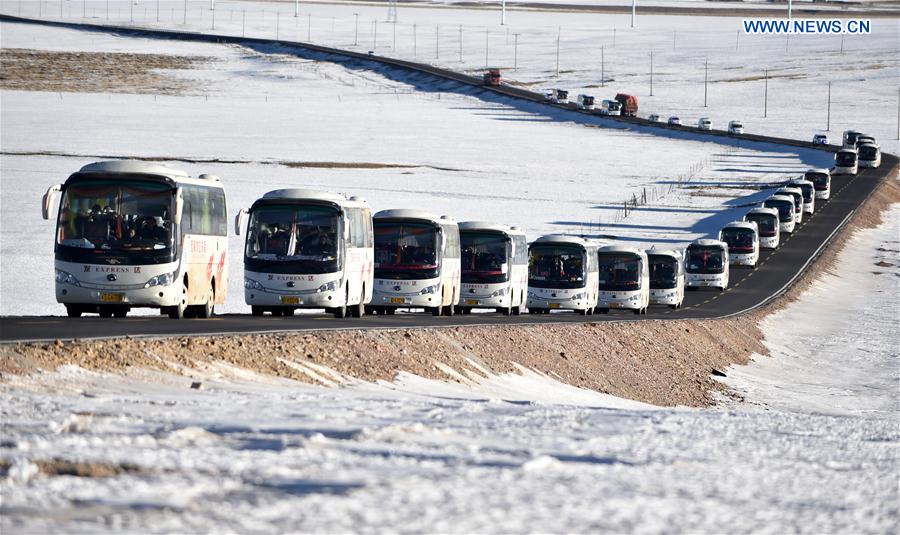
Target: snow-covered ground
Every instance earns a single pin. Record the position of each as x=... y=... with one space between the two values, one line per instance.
x=474 y=155
x=594 y=50
x=505 y=454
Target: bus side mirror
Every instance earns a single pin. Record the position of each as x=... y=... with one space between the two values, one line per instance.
x=239 y=221
x=48 y=200
x=179 y=205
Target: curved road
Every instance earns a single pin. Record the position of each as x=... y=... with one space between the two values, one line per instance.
x=749 y=289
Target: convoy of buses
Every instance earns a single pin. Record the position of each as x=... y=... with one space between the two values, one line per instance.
x=134 y=234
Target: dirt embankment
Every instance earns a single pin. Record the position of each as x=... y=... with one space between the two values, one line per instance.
x=94 y=72
x=660 y=362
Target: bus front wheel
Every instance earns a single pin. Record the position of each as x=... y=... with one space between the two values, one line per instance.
x=256 y=311
x=105 y=312
x=437 y=311
x=73 y=311
x=178 y=311
x=450 y=309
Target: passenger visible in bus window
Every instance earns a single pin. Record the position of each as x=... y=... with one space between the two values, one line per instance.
x=573 y=269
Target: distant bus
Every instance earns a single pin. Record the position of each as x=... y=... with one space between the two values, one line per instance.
x=785 y=206
x=307 y=249
x=562 y=274
x=808 y=189
x=666 y=277
x=416 y=262
x=742 y=238
x=624 y=279
x=767 y=225
x=133 y=234
x=494 y=267
x=821 y=179
x=706 y=264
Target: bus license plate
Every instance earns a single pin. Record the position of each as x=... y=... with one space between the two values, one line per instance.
x=289 y=300
x=614 y=304
x=398 y=300
x=111 y=298
x=554 y=305
x=471 y=301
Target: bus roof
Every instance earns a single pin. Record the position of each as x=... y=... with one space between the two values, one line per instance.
x=403 y=213
x=564 y=238
x=487 y=225
x=846 y=151
x=788 y=189
x=763 y=210
x=819 y=170
x=665 y=252
x=800 y=182
x=741 y=224
x=621 y=249
x=299 y=194
x=137 y=167
x=708 y=242
x=777 y=197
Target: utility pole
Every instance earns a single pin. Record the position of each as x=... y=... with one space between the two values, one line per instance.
x=356 y=29
x=130 y=11
x=394 y=45
x=415 y=42
x=602 y=68
x=842 y=44
x=437 y=41
x=309 y=27
x=214 y=20
x=374 y=34
x=766 y=97
x=502 y=12
x=558 y=35
x=898 y=113
x=277 y=23
x=790 y=9
x=614 y=38
x=651 y=73
x=185 y=11
x=486 y=47
x=828 y=127
x=157 y=10
x=633 y=9
x=243 y=22
x=296 y=8
x=460 y=43
x=516 y=53
x=705 y=80
x=674 y=38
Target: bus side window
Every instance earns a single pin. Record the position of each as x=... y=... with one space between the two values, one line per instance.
x=220 y=213
x=357 y=227
x=370 y=236
x=452 y=236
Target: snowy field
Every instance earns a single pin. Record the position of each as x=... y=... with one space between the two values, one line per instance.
x=471 y=155
x=506 y=454
x=598 y=54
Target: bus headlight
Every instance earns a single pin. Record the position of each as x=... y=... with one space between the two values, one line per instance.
x=63 y=277
x=429 y=290
x=251 y=284
x=330 y=286
x=501 y=292
x=160 y=280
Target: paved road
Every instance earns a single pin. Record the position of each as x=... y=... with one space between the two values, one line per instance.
x=749 y=289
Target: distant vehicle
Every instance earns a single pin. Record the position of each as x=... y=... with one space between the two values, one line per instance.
x=550 y=95
x=820 y=139
x=785 y=206
x=611 y=107
x=849 y=139
x=809 y=194
x=560 y=96
x=767 y=226
x=307 y=249
x=705 y=123
x=735 y=127
x=624 y=275
x=821 y=179
x=134 y=234
x=869 y=155
x=706 y=264
x=494 y=266
x=797 y=194
x=653 y=117
x=492 y=77
x=675 y=120
x=416 y=262
x=742 y=238
x=666 y=277
x=562 y=274
x=585 y=102
x=863 y=139
x=629 y=104
x=845 y=162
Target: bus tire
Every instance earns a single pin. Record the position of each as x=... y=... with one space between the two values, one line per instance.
x=603 y=310
x=339 y=312
x=256 y=311
x=73 y=311
x=207 y=309
x=517 y=310
x=450 y=309
x=120 y=312
x=390 y=311
x=177 y=312
x=276 y=312
x=437 y=311
x=287 y=311
x=359 y=309
x=582 y=312
x=673 y=307
x=105 y=312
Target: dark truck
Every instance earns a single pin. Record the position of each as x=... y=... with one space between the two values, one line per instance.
x=629 y=104
x=492 y=77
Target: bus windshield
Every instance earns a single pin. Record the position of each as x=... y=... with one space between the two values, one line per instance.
x=766 y=224
x=619 y=272
x=845 y=159
x=127 y=222
x=484 y=257
x=406 y=250
x=739 y=240
x=808 y=192
x=785 y=209
x=868 y=152
x=293 y=238
x=705 y=259
x=663 y=272
x=556 y=266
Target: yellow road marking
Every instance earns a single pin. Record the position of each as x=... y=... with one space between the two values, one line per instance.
x=41 y=322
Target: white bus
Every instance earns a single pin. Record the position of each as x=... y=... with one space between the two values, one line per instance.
x=767 y=226
x=797 y=194
x=706 y=264
x=133 y=234
x=585 y=102
x=624 y=279
x=869 y=155
x=494 y=267
x=785 y=206
x=845 y=162
x=666 y=277
x=416 y=262
x=821 y=179
x=307 y=249
x=808 y=189
x=742 y=238
x=562 y=274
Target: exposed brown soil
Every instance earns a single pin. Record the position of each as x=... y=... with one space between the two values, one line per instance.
x=61 y=467
x=94 y=72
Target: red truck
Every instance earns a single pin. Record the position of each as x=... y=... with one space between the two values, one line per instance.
x=629 y=104
x=492 y=77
